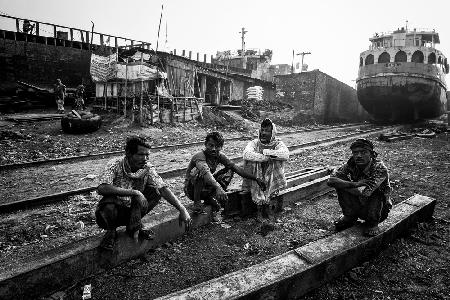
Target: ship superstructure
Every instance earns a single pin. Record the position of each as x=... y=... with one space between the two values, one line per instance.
x=401 y=77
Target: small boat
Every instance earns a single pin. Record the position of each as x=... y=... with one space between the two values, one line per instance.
x=401 y=77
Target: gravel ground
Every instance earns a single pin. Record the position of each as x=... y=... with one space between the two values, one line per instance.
x=416 y=165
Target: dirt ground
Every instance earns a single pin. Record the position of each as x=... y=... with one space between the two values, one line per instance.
x=413 y=267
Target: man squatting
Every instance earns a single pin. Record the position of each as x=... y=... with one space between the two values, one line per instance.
x=203 y=182
x=363 y=188
x=131 y=188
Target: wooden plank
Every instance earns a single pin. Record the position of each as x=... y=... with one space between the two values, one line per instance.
x=294 y=273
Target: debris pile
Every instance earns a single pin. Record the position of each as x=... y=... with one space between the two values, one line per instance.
x=251 y=108
x=217 y=118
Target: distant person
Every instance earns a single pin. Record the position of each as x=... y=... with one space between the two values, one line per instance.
x=79 y=101
x=203 y=182
x=27 y=27
x=60 y=95
x=131 y=188
x=264 y=157
x=363 y=188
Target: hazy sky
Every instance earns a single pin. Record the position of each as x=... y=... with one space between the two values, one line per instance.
x=335 y=32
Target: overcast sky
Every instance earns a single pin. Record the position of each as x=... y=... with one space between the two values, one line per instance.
x=335 y=32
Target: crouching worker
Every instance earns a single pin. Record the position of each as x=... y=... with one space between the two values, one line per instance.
x=202 y=180
x=264 y=157
x=363 y=188
x=131 y=188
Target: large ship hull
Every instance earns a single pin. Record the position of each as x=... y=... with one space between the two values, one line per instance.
x=402 y=92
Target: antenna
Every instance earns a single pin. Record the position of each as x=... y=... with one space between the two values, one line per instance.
x=166 y=36
x=303 y=55
x=406 y=25
x=159 y=27
x=243 y=32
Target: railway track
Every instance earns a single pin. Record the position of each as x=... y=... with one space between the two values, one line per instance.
x=156 y=148
x=57 y=197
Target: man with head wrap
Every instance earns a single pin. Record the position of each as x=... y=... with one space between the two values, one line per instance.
x=363 y=188
x=264 y=157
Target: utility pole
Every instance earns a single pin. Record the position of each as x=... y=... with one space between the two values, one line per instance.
x=303 y=55
x=243 y=32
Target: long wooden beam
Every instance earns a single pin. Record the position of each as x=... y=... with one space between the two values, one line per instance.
x=294 y=273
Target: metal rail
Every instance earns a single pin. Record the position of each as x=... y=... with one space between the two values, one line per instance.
x=175 y=146
x=57 y=197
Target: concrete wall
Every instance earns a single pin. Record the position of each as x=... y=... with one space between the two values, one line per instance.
x=41 y=64
x=328 y=99
x=298 y=89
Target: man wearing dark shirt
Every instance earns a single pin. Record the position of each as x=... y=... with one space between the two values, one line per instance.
x=202 y=180
x=363 y=188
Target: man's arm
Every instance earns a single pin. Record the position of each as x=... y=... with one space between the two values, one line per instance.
x=105 y=189
x=250 y=153
x=339 y=183
x=281 y=152
x=240 y=171
x=356 y=188
x=204 y=170
x=172 y=199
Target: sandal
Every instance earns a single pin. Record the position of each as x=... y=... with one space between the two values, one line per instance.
x=199 y=209
x=109 y=240
x=146 y=234
x=344 y=223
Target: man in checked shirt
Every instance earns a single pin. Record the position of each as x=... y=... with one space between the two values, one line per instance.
x=131 y=188
x=363 y=189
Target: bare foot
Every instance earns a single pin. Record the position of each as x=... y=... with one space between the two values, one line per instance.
x=371 y=231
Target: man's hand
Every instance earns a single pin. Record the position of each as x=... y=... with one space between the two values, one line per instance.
x=185 y=218
x=261 y=184
x=138 y=194
x=362 y=182
x=220 y=194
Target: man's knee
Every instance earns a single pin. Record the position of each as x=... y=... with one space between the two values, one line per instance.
x=106 y=216
x=152 y=196
x=349 y=203
x=139 y=202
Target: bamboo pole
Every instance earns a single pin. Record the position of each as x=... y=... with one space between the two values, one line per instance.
x=126 y=88
x=171 y=111
x=134 y=99
x=184 y=110
x=142 y=91
x=104 y=94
